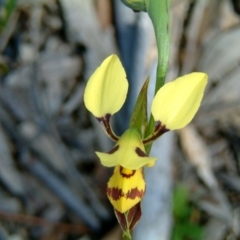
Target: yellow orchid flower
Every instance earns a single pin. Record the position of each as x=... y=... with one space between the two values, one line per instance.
x=173 y=107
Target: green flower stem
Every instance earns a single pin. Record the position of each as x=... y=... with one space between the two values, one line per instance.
x=158 y=12
x=125 y=237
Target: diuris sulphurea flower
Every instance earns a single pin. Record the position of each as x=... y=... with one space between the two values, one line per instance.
x=173 y=107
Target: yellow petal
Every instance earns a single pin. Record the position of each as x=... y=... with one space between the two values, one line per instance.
x=176 y=103
x=150 y=164
x=107 y=88
x=125 y=188
x=128 y=152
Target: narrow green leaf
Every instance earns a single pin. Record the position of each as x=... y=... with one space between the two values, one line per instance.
x=6 y=13
x=187 y=231
x=136 y=5
x=139 y=114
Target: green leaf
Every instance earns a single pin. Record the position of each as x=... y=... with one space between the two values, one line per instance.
x=4 y=68
x=6 y=13
x=194 y=231
x=136 y=5
x=139 y=114
x=181 y=208
x=187 y=231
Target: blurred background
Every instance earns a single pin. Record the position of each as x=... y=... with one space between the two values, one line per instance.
x=52 y=186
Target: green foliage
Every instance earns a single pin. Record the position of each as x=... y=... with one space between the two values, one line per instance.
x=3 y=68
x=185 y=226
x=136 y=5
x=139 y=114
x=5 y=13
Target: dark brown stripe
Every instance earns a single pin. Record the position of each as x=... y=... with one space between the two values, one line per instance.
x=140 y=152
x=124 y=175
x=116 y=193
x=135 y=193
x=105 y=122
x=159 y=130
x=114 y=149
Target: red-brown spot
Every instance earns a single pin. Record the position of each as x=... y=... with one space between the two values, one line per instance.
x=124 y=175
x=133 y=193
x=116 y=193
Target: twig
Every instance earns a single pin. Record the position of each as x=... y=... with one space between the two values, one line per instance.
x=33 y=221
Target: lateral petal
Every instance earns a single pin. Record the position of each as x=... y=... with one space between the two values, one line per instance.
x=176 y=103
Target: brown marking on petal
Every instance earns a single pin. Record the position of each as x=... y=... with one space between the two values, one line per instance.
x=159 y=130
x=142 y=172
x=105 y=122
x=108 y=116
x=114 y=149
x=134 y=193
x=100 y=119
x=105 y=118
x=124 y=175
x=115 y=193
x=140 y=152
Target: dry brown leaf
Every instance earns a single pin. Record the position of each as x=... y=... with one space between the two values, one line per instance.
x=197 y=153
